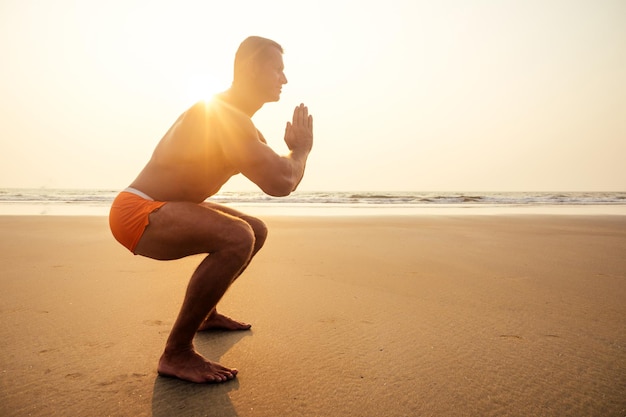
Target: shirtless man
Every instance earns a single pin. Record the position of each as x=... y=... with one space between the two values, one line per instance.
x=163 y=214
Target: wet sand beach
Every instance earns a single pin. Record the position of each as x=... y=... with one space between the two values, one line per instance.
x=352 y=316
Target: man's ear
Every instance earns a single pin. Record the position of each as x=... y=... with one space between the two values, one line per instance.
x=253 y=68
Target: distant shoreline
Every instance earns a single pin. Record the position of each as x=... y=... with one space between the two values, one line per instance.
x=70 y=202
x=310 y=210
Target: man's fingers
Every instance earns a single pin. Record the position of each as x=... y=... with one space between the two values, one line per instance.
x=302 y=118
x=297 y=115
x=300 y=115
x=305 y=114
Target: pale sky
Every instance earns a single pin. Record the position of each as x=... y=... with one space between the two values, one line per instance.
x=450 y=95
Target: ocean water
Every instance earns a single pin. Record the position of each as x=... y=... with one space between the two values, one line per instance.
x=44 y=201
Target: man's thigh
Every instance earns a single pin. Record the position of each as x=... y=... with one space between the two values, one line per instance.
x=260 y=230
x=224 y=209
x=180 y=229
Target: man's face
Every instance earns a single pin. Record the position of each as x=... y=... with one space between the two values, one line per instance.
x=270 y=77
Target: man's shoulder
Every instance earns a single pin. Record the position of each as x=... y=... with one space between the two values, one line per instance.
x=199 y=109
x=217 y=118
x=224 y=107
x=230 y=116
x=211 y=111
x=216 y=107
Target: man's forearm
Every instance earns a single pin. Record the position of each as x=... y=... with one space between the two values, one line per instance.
x=299 y=158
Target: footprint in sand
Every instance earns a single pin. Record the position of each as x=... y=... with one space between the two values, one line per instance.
x=511 y=336
x=154 y=323
x=122 y=378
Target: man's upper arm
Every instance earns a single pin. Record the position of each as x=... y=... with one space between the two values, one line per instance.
x=246 y=150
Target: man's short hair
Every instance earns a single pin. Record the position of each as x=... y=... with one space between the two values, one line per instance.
x=252 y=48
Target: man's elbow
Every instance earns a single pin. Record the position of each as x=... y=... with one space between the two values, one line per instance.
x=282 y=183
x=279 y=188
x=278 y=191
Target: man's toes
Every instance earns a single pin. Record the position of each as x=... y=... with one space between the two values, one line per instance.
x=219 y=373
x=226 y=375
x=232 y=371
x=212 y=378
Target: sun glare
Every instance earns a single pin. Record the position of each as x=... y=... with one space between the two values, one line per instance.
x=202 y=87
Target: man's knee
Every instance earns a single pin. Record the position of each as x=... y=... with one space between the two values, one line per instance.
x=259 y=228
x=241 y=240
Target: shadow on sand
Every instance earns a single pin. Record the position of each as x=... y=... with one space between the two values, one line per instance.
x=173 y=397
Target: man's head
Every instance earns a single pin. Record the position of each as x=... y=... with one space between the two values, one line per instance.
x=259 y=68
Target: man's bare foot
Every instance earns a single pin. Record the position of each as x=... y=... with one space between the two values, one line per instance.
x=217 y=321
x=189 y=365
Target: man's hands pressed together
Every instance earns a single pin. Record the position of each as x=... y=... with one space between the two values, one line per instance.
x=299 y=132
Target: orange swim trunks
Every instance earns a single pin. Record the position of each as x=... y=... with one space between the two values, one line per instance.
x=129 y=216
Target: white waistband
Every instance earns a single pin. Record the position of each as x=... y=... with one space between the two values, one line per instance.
x=139 y=193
